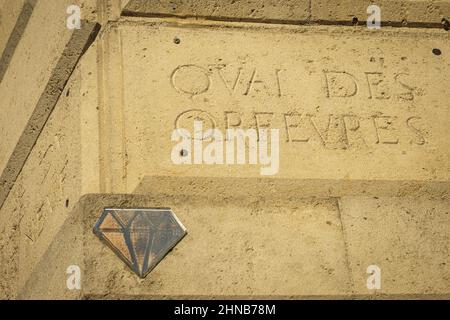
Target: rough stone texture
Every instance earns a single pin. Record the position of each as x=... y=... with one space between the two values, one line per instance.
x=59 y=169
x=331 y=243
x=335 y=116
x=398 y=13
x=110 y=10
x=364 y=172
x=408 y=238
x=251 y=259
x=49 y=17
x=31 y=104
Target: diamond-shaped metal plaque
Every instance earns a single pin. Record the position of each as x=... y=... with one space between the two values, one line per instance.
x=140 y=237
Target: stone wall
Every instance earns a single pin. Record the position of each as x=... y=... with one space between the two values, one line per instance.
x=362 y=115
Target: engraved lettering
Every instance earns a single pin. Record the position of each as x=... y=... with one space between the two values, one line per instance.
x=232 y=119
x=354 y=130
x=293 y=122
x=376 y=85
x=253 y=80
x=333 y=131
x=191 y=79
x=186 y=119
x=340 y=84
x=262 y=123
x=409 y=94
x=280 y=91
x=384 y=128
x=231 y=88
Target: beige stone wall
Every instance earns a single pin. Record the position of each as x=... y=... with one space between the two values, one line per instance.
x=364 y=170
x=61 y=167
x=43 y=40
x=394 y=12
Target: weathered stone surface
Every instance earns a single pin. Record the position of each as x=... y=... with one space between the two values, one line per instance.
x=331 y=244
x=266 y=10
x=240 y=248
x=62 y=166
x=393 y=12
x=30 y=90
x=380 y=115
x=9 y=12
x=14 y=17
x=407 y=238
x=358 y=114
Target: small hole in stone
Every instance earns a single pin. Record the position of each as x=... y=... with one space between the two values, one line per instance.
x=176 y=40
x=67 y=203
x=68 y=93
x=183 y=153
x=355 y=21
x=437 y=52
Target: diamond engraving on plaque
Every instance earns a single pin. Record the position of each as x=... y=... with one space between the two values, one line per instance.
x=140 y=237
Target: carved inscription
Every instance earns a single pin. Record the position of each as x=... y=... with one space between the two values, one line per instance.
x=194 y=80
x=244 y=80
x=337 y=130
x=190 y=79
x=332 y=131
x=376 y=85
